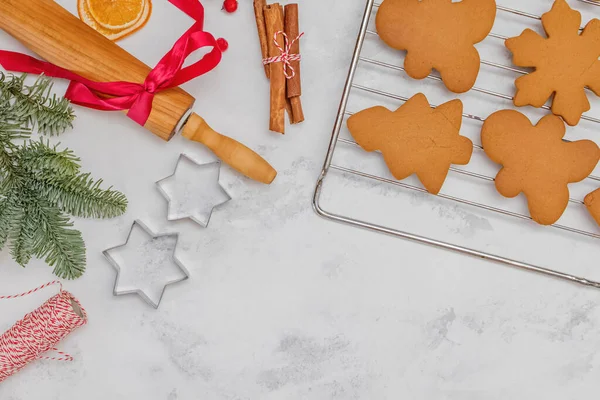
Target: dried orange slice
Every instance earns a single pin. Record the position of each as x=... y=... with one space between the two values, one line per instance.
x=113 y=34
x=116 y=14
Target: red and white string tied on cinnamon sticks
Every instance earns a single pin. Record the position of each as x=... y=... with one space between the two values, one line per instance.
x=285 y=57
x=39 y=331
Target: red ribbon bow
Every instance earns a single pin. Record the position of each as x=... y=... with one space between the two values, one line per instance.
x=135 y=97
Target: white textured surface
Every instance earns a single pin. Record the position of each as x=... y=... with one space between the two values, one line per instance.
x=284 y=305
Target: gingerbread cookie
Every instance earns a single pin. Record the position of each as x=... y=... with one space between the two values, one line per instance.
x=592 y=202
x=536 y=161
x=438 y=34
x=415 y=139
x=565 y=63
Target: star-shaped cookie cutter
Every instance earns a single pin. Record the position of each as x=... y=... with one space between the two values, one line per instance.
x=140 y=292
x=190 y=215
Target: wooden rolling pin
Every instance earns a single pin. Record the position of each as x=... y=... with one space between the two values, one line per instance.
x=62 y=39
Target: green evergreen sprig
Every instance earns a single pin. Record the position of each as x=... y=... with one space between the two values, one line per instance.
x=35 y=105
x=41 y=185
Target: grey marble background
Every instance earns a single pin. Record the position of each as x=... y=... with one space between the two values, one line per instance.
x=284 y=305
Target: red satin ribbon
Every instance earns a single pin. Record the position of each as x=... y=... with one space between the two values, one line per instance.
x=135 y=97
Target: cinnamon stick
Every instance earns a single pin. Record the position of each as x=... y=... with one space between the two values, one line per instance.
x=294 y=85
x=274 y=24
x=259 y=14
x=289 y=110
x=297 y=112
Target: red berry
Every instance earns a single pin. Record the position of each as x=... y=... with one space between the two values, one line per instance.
x=222 y=43
x=230 y=5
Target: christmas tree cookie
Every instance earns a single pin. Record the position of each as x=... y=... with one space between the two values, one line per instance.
x=415 y=139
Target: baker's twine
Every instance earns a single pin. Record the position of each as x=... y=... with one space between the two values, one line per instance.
x=39 y=331
x=285 y=57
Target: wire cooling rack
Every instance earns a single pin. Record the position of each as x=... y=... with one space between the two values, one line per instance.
x=357 y=172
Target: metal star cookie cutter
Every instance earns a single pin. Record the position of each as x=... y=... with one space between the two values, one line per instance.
x=140 y=292
x=211 y=203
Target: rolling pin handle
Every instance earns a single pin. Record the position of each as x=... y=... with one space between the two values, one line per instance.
x=230 y=151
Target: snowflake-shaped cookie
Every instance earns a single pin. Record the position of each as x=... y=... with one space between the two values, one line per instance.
x=566 y=62
x=438 y=34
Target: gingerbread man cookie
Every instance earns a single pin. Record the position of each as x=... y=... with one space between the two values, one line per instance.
x=438 y=34
x=565 y=63
x=415 y=139
x=536 y=161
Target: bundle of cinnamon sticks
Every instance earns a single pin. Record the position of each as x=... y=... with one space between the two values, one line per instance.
x=285 y=93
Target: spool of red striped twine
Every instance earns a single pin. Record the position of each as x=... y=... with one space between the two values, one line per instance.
x=39 y=331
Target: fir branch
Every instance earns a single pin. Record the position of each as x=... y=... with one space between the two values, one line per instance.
x=40 y=184
x=10 y=175
x=7 y=213
x=63 y=248
x=22 y=234
x=5 y=165
x=7 y=87
x=8 y=169
x=10 y=130
x=80 y=196
x=35 y=105
x=41 y=158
